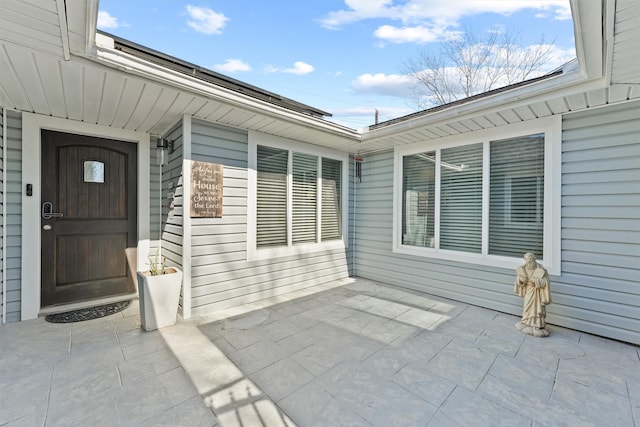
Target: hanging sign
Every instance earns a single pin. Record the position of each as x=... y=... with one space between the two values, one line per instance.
x=206 y=190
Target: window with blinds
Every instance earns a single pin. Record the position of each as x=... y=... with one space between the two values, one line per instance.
x=305 y=198
x=331 y=223
x=461 y=198
x=457 y=219
x=271 y=215
x=418 y=199
x=298 y=197
x=517 y=196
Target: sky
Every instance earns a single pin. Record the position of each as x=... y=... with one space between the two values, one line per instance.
x=345 y=57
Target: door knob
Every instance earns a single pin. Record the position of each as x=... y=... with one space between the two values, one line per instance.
x=47 y=211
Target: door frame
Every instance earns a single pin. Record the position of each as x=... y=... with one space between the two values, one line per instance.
x=32 y=125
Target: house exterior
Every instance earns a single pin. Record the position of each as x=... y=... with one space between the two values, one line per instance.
x=256 y=196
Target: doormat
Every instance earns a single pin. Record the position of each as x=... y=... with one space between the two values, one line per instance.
x=88 y=313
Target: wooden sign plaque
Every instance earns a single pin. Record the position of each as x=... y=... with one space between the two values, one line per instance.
x=206 y=190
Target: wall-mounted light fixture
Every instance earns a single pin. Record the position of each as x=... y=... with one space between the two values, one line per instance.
x=164 y=147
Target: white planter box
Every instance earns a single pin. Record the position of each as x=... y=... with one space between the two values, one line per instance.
x=159 y=297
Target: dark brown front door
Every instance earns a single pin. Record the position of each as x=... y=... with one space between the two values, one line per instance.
x=88 y=217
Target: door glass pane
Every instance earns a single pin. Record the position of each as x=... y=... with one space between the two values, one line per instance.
x=271 y=227
x=418 y=199
x=517 y=196
x=331 y=201
x=305 y=198
x=461 y=198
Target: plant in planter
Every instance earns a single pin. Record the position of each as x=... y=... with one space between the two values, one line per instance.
x=159 y=293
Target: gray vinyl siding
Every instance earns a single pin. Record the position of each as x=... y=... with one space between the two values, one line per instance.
x=221 y=276
x=155 y=195
x=13 y=212
x=172 y=225
x=1 y=215
x=599 y=289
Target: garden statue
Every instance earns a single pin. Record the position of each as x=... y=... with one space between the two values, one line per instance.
x=532 y=285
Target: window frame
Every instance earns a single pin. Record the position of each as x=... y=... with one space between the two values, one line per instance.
x=256 y=138
x=551 y=127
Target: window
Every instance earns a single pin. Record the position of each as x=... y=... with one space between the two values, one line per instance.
x=295 y=200
x=486 y=200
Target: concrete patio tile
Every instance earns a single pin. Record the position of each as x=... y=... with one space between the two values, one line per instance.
x=240 y=339
x=390 y=331
x=257 y=356
x=280 y=329
x=424 y=384
x=462 y=363
x=521 y=387
x=546 y=353
x=384 y=403
x=103 y=412
x=77 y=382
x=139 y=402
x=500 y=341
x=233 y=395
x=319 y=357
x=139 y=343
x=420 y=318
x=338 y=414
x=385 y=362
x=282 y=378
x=305 y=405
x=470 y=409
x=155 y=363
x=590 y=404
x=191 y=413
x=25 y=390
x=259 y=413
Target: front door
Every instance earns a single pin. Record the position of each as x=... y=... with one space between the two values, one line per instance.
x=88 y=217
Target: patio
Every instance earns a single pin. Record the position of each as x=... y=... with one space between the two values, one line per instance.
x=357 y=353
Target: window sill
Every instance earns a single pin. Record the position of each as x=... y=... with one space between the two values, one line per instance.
x=509 y=263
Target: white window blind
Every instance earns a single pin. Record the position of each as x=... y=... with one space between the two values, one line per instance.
x=305 y=198
x=271 y=215
x=331 y=227
x=461 y=198
x=418 y=203
x=517 y=196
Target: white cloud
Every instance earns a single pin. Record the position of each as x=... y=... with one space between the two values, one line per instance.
x=384 y=84
x=205 y=20
x=299 y=68
x=418 y=34
x=421 y=16
x=106 y=21
x=232 y=65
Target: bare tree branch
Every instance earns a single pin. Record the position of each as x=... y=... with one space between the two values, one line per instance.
x=468 y=65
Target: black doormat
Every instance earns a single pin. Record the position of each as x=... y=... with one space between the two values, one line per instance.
x=87 y=313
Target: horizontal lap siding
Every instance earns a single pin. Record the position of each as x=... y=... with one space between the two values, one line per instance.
x=221 y=276
x=172 y=231
x=13 y=212
x=598 y=291
x=484 y=286
x=2 y=320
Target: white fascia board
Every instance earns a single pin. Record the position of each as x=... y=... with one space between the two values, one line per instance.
x=132 y=65
x=588 y=27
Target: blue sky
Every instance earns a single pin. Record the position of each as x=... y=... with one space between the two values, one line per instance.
x=342 y=56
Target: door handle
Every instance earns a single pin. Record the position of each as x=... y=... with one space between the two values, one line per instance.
x=47 y=211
